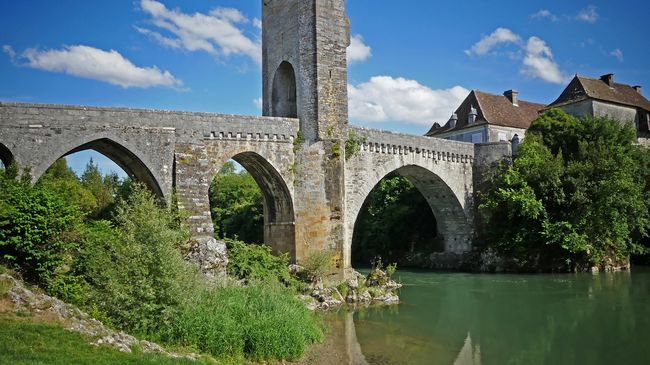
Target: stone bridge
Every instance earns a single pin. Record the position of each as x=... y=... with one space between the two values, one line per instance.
x=312 y=193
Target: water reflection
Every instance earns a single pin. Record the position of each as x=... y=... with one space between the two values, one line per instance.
x=502 y=319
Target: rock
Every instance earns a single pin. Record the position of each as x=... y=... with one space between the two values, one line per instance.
x=365 y=296
x=352 y=296
x=211 y=256
x=387 y=298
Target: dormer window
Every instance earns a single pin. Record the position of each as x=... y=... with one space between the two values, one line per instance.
x=452 y=121
x=471 y=117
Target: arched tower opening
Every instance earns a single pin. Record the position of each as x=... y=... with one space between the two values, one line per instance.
x=283 y=98
x=232 y=185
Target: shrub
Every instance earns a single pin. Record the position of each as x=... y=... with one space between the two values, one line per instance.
x=318 y=264
x=33 y=226
x=390 y=270
x=251 y=262
x=135 y=272
x=260 y=321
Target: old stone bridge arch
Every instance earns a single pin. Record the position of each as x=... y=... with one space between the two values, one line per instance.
x=125 y=154
x=443 y=175
x=279 y=217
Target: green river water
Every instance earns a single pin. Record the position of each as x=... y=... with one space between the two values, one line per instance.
x=453 y=318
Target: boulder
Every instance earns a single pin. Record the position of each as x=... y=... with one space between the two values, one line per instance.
x=211 y=256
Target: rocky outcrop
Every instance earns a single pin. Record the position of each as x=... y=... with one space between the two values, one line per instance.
x=211 y=256
x=73 y=319
x=376 y=288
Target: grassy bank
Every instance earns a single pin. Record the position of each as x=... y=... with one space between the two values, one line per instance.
x=23 y=341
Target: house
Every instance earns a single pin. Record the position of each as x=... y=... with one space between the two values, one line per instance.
x=604 y=98
x=484 y=117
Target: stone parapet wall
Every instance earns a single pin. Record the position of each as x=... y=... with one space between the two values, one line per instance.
x=385 y=142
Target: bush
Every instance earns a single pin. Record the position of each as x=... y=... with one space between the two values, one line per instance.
x=318 y=264
x=34 y=223
x=135 y=272
x=251 y=262
x=260 y=321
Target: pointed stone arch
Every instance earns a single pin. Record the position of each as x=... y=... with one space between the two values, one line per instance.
x=125 y=157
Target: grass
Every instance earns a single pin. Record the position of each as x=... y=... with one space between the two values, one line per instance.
x=25 y=342
x=258 y=322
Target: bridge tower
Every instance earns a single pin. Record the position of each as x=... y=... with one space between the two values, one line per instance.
x=304 y=44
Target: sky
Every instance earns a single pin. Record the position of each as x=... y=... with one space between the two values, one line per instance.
x=411 y=63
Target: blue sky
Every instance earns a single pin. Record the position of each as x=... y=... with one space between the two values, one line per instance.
x=410 y=64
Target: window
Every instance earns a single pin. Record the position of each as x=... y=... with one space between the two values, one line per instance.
x=477 y=138
x=502 y=137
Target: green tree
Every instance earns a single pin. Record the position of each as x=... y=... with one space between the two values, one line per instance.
x=236 y=205
x=35 y=227
x=60 y=179
x=575 y=196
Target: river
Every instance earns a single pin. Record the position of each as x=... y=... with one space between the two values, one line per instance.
x=456 y=319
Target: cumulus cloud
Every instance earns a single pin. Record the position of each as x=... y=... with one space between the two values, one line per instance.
x=489 y=42
x=96 y=64
x=217 y=33
x=358 y=51
x=617 y=53
x=545 y=14
x=385 y=98
x=539 y=62
x=588 y=14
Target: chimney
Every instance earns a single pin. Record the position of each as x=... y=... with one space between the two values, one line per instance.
x=471 y=118
x=637 y=88
x=608 y=79
x=513 y=96
x=453 y=120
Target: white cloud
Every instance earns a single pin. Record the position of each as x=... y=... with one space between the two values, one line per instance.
x=384 y=99
x=358 y=51
x=588 y=14
x=489 y=42
x=545 y=14
x=258 y=102
x=539 y=62
x=537 y=56
x=9 y=50
x=96 y=64
x=216 y=33
x=617 y=53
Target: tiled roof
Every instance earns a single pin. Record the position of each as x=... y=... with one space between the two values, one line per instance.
x=492 y=109
x=582 y=88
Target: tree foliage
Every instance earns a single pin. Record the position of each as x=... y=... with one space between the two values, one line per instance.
x=236 y=205
x=35 y=227
x=576 y=196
